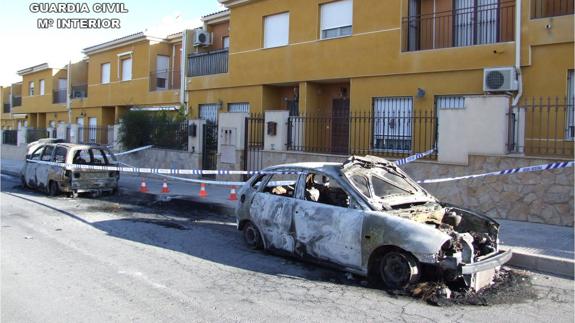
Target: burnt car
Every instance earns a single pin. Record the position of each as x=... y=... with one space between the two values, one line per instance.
x=367 y=217
x=56 y=179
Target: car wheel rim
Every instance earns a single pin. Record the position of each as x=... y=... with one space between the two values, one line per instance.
x=395 y=270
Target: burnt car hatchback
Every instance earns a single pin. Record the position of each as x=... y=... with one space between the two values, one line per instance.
x=56 y=179
x=368 y=217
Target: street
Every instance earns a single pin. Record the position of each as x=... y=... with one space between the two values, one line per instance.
x=125 y=259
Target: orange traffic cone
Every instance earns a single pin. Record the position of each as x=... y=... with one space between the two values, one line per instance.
x=165 y=188
x=233 y=195
x=203 y=192
x=143 y=186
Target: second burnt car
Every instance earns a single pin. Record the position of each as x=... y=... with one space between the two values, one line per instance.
x=368 y=217
x=56 y=179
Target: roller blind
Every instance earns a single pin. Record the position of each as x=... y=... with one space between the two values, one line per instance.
x=276 y=30
x=450 y=102
x=239 y=107
x=336 y=14
x=105 y=73
x=126 y=69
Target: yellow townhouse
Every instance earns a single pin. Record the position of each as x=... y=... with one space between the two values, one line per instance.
x=370 y=75
x=138 y=71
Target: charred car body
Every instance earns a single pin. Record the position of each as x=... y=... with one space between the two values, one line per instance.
x=55 y=179
x=366 y=216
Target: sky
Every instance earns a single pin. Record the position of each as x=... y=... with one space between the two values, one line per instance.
x=25 y=45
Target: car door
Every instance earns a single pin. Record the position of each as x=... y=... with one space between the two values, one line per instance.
x=271 y=210
x=43 y=171
x=29 y=170
x=328 y=228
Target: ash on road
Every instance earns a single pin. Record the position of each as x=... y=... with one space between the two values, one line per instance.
x=120 y=259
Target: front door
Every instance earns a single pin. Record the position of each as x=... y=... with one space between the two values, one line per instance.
x=209 y=113
x=340 y=126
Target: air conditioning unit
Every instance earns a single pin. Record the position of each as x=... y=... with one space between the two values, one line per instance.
x=202 y=38
x=500 y=79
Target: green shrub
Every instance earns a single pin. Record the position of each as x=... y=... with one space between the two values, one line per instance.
x=142 y=128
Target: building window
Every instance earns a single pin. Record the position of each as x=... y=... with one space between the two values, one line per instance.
x=570 y=105
x=392 y=128
x=449 y=102
x=31 y=88
x=276 y=30
x=336 y=19
x=126 y=68
x=226 y=41
x=42 y=87
x=239 y=107
x=105 y=73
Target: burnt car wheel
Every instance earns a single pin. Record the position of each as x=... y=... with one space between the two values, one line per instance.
x=398 y=270
x=53 y=188
x=252 y=236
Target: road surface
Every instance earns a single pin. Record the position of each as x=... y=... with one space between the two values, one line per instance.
x=127 y=260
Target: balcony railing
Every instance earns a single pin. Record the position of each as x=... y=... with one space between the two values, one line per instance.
x=485 y=24
x=79 y=91
x=16 y=101
x=59 y=96
x=161 y=80
x=208 y=63
x=6 y=108
x=551 y=8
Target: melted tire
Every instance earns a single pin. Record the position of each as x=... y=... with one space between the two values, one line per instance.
x=397 y=270
x=252 y=236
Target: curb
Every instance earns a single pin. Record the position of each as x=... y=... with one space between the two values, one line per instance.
x=546 y=264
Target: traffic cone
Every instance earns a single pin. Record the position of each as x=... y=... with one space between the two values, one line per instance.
x=233 y=195
x=143 y=186
x=165 y=188
x=203 y=192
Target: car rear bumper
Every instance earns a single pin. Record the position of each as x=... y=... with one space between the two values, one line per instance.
x=488 y=263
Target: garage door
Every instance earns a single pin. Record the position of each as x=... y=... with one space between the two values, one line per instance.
x=392 y=124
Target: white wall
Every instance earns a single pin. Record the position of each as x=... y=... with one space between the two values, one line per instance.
x=479 y=128
x=279 y=141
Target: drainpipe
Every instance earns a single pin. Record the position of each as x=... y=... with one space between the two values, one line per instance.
x=68 y=85
x=518 y=51
x=183 y=70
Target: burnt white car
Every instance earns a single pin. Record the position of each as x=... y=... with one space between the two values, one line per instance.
x=366 y=216
x=56 y=179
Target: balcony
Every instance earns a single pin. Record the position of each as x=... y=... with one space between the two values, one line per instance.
x=208 y=63
x=551 y=8
x=6 y=108
x=16 y=101
x=485 y=24
x=162 y=80
x=59 y=96
x=79 y=91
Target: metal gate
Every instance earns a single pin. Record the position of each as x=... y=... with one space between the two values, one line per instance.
x=253 y=142
x=210 y=147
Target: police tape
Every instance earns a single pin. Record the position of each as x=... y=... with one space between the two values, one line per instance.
x=536 y=168
x=133 y=150
x=411 y=158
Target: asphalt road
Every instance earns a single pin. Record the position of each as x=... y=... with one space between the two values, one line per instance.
x=120 y=260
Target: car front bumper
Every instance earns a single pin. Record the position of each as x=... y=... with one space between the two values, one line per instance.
x=487 y=263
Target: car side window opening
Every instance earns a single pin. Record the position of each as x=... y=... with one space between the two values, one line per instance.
x=98 y=157
x=323 y=189
x=47 y=155
x=60 y=155
x=282 y=185
x=258 y=182
x=82 y=157
x=37 y=153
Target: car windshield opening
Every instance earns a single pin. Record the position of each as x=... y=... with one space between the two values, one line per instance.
x=93 y=156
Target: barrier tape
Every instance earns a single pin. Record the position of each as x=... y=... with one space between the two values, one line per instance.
x=411 y=158
x=133 y=150
x=535 y=168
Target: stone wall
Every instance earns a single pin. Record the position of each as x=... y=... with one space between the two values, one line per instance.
x=541 y=197
x=13 y=152
x=163 y=158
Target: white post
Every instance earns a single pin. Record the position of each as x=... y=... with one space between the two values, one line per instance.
x=279 y=140
x=21 y=137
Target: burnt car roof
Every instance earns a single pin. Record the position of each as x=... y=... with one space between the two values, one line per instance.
x=334 y=167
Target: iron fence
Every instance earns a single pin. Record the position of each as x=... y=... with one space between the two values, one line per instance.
x=79 y=91
x=168 y=79
x=33 y=134
x=214 y=62
x=92 y=135
x=59 y=96
x=381 y=133
x=16 y=101
x=6 y=108
x=474 y=25
x=10 y=137
x=551 y=8
x=542 y=127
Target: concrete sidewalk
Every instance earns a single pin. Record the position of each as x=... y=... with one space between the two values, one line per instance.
x=539 y=247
